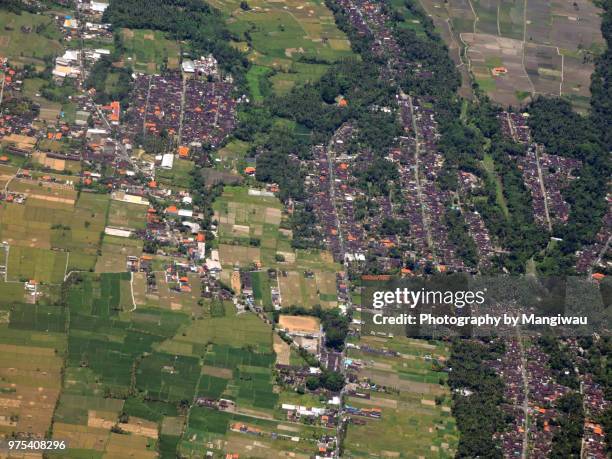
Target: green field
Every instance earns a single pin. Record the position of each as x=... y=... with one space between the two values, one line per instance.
x=489 y=166
x=295 y=39
x=27 y=263
x=179 y=176
x=416 y=414
x=147 y=50
x=243 y=217
x=28 y=47
x=126 y=215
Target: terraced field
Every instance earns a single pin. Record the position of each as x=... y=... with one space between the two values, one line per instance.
x=290 y=42
x=546 y=46
x=415 y=406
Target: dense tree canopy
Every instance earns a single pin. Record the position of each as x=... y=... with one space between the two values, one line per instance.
x=192 y=20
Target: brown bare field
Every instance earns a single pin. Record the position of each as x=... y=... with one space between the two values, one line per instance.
x=141 y=427
x=282 y=351
x=299 y=323
x=81 y=437
x=290 y=288
x=133 y=446
x=393 y=380
x=218 y=372
x=555 y=41
x=31 y=377
x=232 y=254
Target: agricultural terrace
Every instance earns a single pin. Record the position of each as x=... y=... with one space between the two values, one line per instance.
x=105 y=338
x=258 y=437
x=252 y=231
x=146 y=51
x=32 y=339
x=290 y=42
x=130 y=368
x=514 y=53
x=415 y=407
x=48 y=235
x=28 y=38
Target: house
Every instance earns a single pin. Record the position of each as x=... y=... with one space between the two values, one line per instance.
x=246 y=283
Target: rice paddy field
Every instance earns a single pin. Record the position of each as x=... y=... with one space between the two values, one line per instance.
x=32 y=340
x=277 y=36
x=125 y=215
x=547 y=48
x=55 y=229
x=127 y=372
x=252 y=235
x=416 y=413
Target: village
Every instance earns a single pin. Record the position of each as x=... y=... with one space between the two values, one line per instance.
x=232 y=257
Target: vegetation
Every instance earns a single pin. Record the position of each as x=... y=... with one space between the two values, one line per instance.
x=335 y=325
x=191 y=20
x=567 y=441
x=478 y=416
x=459 y=236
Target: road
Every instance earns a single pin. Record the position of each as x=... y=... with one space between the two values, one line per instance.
x=602 y=253
x=331 y=157
x=526 y=399
x=2 y=88
x=417 y=174
x=182 y=114
x=542 y=187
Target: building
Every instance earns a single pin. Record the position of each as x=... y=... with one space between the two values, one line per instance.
x=167 y=161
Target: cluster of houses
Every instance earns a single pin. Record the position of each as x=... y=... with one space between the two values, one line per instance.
x=205 y=66
x=468 y=183
x=591 y=255
x=349 y=232
x=546 y=176
x=595 y=405
x=368 y=18
x=209 y=113
x=326 y=417
x=419 y=164
x=193 y=111
x=536 y=383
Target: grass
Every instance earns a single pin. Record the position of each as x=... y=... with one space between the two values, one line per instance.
x=147 y=50
x=127 y=215
x=32 y=47
x=280 y=34
x=254 y=77
x=42 y=265
x=179 y=176
x=232 y=156
x=11 y=292
x=230 y=330
x=489 y=166
x=261 y=289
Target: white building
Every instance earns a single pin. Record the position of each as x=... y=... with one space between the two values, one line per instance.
x=167 y=161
